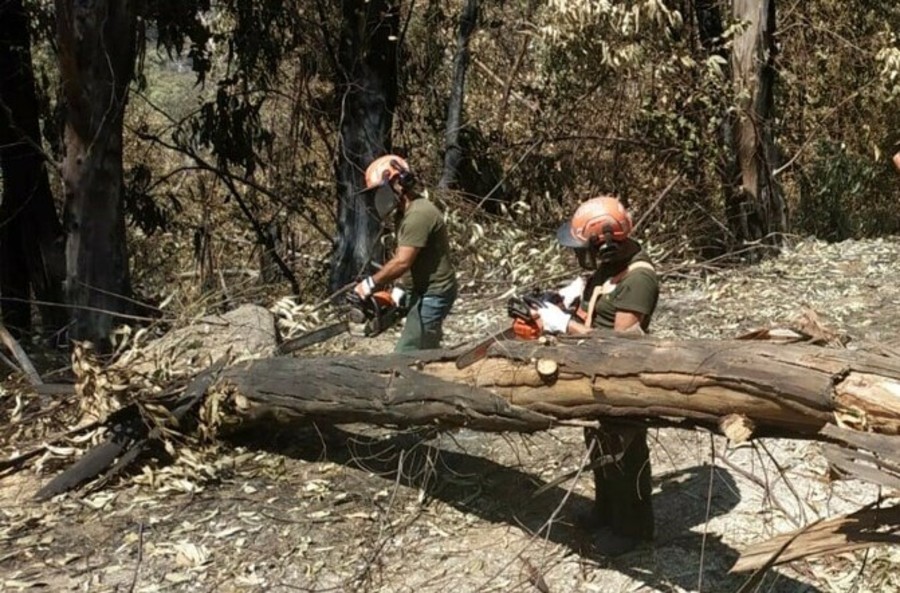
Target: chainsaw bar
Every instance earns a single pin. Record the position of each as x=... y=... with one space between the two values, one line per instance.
x=313 y=337
x=480 y=350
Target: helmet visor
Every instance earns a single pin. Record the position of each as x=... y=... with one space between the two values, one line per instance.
x=385 y=200
x=566 y=237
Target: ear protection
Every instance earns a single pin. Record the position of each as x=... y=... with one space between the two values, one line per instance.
x=405 y=177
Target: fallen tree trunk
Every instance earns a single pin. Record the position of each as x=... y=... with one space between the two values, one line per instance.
x=742 y=388
x=762 y=388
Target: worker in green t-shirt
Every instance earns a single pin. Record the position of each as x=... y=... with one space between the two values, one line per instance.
x=423 y=250
x=620 y=293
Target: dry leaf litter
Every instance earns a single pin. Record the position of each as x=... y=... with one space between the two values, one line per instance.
x=366 y=509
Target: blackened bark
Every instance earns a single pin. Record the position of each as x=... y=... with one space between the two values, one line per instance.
x=454 y=152
x=96 y=53
x=757 y=210
x=367 y=95
x=31 y=239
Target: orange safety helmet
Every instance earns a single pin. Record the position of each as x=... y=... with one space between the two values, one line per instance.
x=379 y=175
x=596 y=221
x=385 y=169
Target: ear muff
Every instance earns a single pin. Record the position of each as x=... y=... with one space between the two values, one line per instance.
x=405 y=177
x=608 y=249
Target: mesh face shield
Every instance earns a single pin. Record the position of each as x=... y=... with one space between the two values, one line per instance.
x=600 y=251
x=385 y=200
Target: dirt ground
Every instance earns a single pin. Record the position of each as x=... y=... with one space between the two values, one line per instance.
x=355 y=508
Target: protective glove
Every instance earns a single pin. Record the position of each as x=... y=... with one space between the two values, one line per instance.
x=572 y=291
x=365 y=288
x=554 y=319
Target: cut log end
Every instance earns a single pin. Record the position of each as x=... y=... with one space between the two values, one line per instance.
x=737 y=428
x=547 y=369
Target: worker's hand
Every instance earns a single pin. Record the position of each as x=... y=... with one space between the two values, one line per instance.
x=554 y=319
x=365 y=288
x=572 y=291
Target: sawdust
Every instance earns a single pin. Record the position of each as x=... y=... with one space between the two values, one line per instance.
x=364 y=509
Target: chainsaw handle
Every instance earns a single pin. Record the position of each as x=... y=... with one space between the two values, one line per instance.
x=533 y=302
x=518 y=308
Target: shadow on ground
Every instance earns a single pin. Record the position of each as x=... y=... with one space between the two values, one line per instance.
x=683 y=502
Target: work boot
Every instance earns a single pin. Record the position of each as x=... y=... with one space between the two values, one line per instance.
x=607 y=542
x=589 y=518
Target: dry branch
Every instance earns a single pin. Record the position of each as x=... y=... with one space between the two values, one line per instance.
x=24 y=362
x=839 y=534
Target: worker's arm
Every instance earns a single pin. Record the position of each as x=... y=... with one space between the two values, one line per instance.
x=394 y=268
x=627 y=321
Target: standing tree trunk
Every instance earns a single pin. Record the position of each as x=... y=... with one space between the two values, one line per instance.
x=96 y=54
x=756 y=211
x=31 y=238
x=367 y=92
x=454 y=153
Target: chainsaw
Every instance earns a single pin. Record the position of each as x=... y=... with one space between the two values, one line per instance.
x=525 y=326
x=365 y=317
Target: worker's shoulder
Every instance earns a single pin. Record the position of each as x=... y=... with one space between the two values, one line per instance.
x=422 y=209
x=641 y=269
x=641 y=263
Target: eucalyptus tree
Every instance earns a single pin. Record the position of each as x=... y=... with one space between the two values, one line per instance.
x=453 y=150
x=709 y=106
x=99 y=43
x=365 y=78
x=31 y=237
x=756 y=208
x=97 y=49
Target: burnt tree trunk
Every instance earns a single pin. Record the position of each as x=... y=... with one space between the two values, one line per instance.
x=31 y=238
x=454 y=151
x=367 y=95
x=756 y=210
x=96 y=54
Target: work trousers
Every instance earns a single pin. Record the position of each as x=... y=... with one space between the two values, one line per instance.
x=622 y=486
x=424 y=325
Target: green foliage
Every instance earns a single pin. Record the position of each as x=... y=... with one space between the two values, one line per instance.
x=565 y=100
x=842 y=196
x=140 y=205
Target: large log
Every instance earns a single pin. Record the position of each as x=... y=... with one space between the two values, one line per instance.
x=767 y=389
x=739 y=387
x=742 y=388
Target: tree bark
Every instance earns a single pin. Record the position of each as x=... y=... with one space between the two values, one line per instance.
x=31 y=238
x=367 y=92
x=96 y=53
x=454 y=152
x=757 y=210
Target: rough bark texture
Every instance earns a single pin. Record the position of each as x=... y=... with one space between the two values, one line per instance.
x=31 y=239
x=96 y=53
x=756 y=211
x=454 y=152
x=792 y=390
x=367 y=87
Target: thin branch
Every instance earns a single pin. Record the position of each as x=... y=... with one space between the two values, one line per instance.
x=656 y=202
x=24 y=362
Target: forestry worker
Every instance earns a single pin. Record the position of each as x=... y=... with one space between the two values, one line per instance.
x=423 y=250
x=619 y=293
